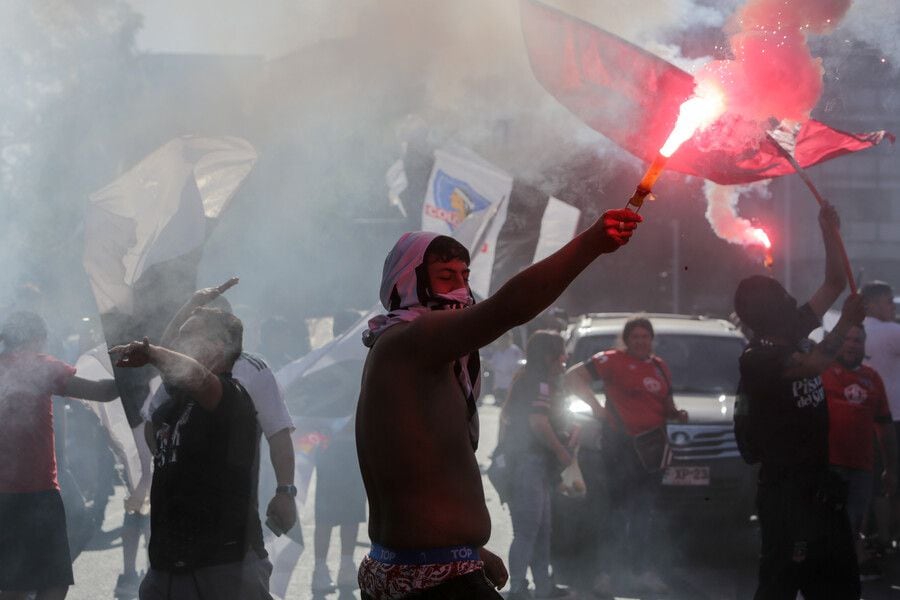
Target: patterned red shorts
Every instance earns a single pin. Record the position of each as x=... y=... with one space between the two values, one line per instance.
x=387 y=582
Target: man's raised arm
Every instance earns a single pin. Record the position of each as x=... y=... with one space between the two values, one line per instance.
x=176 y=369
x=198 y=299
x=835 y=278
x=443 y=336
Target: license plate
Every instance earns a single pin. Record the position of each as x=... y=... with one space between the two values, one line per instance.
x=686 y=476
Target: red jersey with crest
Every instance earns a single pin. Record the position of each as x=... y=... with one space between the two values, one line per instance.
x=638 y=389
x=856 y=401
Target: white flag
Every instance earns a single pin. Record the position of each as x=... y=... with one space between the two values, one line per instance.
x=397 y=183
x=558 y=226
x=467 y=199
x=128 y=444
x=158 y=211
x=346 y=347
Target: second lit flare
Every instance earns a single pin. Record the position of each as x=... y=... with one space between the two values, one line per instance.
x=766 y=244
x=697 y=112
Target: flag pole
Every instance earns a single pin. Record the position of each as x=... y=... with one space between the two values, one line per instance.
x=815 y=192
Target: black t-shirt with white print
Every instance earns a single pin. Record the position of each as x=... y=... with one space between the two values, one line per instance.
x=203 y=496
x=792 y=414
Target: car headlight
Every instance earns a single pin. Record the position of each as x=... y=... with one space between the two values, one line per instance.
x=680 y=438
x=579 y=406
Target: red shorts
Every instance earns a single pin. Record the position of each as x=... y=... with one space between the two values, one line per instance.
x=383 y=581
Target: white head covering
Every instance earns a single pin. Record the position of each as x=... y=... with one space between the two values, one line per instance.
x=404 y=286
x=400 y=285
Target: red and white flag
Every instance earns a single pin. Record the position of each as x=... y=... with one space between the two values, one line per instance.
x=633 y=96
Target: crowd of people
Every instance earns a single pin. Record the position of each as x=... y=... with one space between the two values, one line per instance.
x=807 y=413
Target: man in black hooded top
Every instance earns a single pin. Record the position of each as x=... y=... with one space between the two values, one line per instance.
x=781 y=421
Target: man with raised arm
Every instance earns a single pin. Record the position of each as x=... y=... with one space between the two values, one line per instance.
x=205 y=536
x=781 y=421
x=255 y=375
x=417 y=427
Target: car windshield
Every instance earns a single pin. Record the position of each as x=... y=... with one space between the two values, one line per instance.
x=700 y=364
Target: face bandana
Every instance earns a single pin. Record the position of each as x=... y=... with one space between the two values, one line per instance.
x=459 y=298
x=406 y=295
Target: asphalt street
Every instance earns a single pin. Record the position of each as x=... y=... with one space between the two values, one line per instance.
x=702 y=563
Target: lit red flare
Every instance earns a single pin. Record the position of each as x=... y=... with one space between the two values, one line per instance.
x=697 y=112
x=583 y=67
x=766 y=243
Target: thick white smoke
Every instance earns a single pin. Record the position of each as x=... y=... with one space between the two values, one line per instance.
x=478 y=84
x=722 y=211
x=463 y=62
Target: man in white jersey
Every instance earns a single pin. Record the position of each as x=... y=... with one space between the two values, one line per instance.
x=883 y=338
x=883 y=355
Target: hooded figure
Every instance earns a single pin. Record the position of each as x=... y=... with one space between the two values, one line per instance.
x=406 y=294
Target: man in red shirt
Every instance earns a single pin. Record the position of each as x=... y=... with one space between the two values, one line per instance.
x=639 y=388
x=857 y=410
x=34 y=550
x=638 y=400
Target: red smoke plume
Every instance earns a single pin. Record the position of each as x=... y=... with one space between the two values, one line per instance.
x=772 y=73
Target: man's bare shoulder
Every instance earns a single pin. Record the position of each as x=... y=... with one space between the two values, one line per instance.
x=390 y=342
x=406 y=342
x=392 y=354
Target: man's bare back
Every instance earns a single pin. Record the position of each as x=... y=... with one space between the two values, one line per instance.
x=418 y=465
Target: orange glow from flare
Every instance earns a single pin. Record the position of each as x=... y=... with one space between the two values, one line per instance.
x=698 y=111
